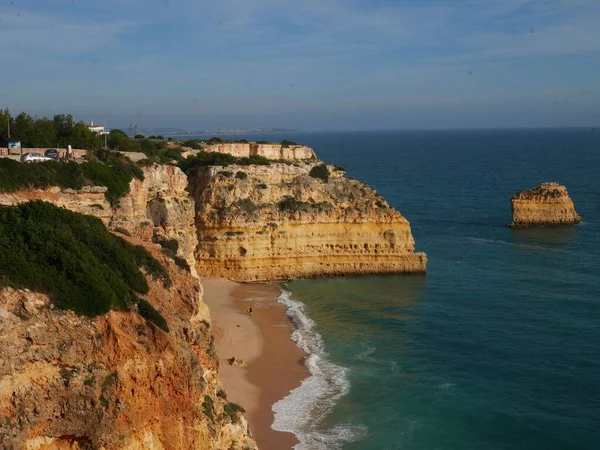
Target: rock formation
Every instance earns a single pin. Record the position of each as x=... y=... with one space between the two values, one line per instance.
x=546 y=205
x=155 y=209
x=115 y=381
x=89 y=200
x=269 y=151
x=296 y=220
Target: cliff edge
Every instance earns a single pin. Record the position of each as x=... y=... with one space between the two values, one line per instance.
x=546 y=205
x=108 y=357
x=290 y=220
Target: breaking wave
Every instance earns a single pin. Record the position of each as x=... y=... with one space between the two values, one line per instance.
x=303 y=411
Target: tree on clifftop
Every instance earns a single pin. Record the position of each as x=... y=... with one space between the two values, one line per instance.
x=118 y=138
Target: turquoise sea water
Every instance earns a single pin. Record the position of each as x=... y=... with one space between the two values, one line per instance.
x=498 y=347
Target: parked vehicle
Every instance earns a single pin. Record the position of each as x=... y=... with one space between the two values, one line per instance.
x=32 y=157
x=51 y=153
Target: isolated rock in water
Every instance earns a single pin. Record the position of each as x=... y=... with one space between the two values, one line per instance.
x=546 y=205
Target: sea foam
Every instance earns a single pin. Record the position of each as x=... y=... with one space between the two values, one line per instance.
x=303 y=411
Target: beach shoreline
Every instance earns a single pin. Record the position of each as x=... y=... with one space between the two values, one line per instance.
x=263 y=341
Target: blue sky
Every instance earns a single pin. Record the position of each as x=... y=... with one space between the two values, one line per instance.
x=305 y=64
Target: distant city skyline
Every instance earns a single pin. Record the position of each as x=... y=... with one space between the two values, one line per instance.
x=311 y=65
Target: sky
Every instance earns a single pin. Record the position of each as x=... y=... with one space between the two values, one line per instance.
x=304 y=64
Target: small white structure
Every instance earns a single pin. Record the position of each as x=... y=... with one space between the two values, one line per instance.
x=101 y=130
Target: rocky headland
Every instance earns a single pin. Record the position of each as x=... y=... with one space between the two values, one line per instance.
x=546 y=205
x=121 y=378
x=296 y=220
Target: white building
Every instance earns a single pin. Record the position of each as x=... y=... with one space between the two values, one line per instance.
x=101 y=130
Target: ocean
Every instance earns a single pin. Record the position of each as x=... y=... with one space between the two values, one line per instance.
x=498 y=346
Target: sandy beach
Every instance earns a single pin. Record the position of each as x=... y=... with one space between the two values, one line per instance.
x=275 y=363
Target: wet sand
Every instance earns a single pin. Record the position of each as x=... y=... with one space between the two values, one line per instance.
x=275 y=363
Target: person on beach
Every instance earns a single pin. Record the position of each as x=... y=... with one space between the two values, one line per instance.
x=250 y=311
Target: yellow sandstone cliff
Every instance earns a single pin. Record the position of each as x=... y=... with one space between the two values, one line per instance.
x=274 y=222
x=546 y=205
x=291 y=152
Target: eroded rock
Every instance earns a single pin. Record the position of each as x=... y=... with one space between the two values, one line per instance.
x=546 y=205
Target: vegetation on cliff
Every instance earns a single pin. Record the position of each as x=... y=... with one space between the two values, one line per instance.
x=203 y=159
x=155 y=148
x=320 y=171
x=545 y=190
x=75 y=259
x=104 y=168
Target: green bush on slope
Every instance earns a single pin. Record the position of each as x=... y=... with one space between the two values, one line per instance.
x=203 y=159
x=73 y=258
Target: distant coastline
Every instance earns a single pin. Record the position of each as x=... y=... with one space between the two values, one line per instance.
x=177 y=132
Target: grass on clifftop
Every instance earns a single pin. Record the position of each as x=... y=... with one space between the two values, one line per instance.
x=105 y=168
x=75 y=259
x=203 y=159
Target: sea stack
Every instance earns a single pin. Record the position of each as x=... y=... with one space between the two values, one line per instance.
x=547 y=205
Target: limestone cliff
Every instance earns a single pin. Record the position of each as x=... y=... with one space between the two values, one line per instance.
x=157 y=208
x=115 y=381
x=89 y=200
x=546 y=205
x=283 y=221
x=269 y=151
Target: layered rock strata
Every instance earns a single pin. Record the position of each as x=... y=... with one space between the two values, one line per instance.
x=546 y=205
x=115 y=381
x=275 y=222
x=269 y=151
x=89 y=200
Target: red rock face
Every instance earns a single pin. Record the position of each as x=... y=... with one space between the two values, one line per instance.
x=115 y=381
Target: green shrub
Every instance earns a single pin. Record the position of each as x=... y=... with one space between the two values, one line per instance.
x=241 y=175
x=289 y=203
x=181 y=262
x=286 y=143
x=203 y=159
x=226 y=173
x=320 y=172
x=231 y=409
x=207 y=406
x=338 y=168
x=262 y=186
x=171 y=244
x=148 y=312
x=292 y=204
x=73 y=258
x=145 y=162
x=192 y=143
x=112 y=170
